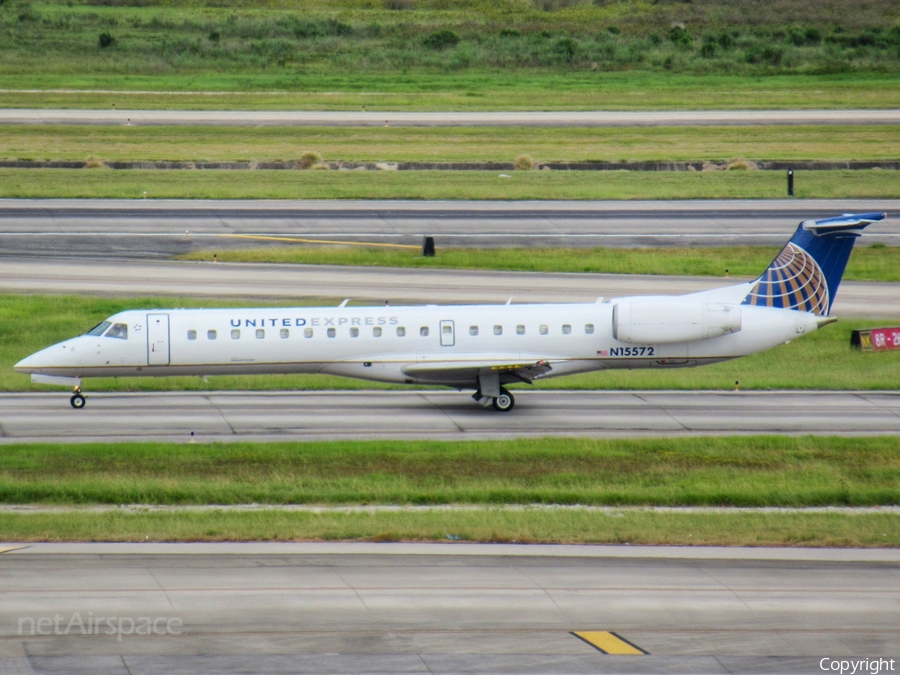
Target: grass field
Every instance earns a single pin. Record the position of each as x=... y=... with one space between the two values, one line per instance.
x=353 y=45
x=489 y=525
x=495 y=90
x=402 y=144
x=867 y=263
x=702 y=471
x=194 y=184
x=823 y=360
x=749 y=471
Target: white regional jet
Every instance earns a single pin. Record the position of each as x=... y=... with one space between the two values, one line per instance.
x=480 y=347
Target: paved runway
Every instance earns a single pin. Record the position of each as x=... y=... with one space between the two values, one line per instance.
x=287 y=283
x=154 y=229
x=593 y=118
x=370 y=608
x=448 y=415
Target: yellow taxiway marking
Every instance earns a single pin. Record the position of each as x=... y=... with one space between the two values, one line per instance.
x=608 y=642
x=297 y=240
x=7 y=549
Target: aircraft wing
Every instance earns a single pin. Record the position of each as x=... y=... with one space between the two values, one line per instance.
x=525 y=370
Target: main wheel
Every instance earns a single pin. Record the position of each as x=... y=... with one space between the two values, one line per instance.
x=504 y=402
x=77 y=401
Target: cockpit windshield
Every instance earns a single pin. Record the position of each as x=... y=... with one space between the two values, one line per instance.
x=99 y=329
x=119 y=330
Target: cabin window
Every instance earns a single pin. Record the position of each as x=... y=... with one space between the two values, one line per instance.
x=589 y=328
x=567 y=329
x=520 y=330
x=307 y=332
x=376 y=331
x=285 y=333
x=99 y=328
x=354 y=332
x=498 y=330
x=401 y=331
x=210 y=335
x=118 y=331
x=235 y=333
x=192 y=335
x=331 y=332
x=448 y=329
x=473 y=330
x=260 y=333
x=543 y=329
x=423 y=331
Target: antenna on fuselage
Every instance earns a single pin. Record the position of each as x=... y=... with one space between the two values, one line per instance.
x=509 y=302
x=344 y=303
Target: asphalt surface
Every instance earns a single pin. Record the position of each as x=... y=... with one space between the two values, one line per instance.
x=370 y=608
x=597 y=118
x=367 y=285
x=449 y=415
x=163 y=228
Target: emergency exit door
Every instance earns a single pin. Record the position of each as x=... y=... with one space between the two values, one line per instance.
x=158 y=339
x=448 y=335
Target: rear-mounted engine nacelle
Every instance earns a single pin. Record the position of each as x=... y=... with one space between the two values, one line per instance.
x=666 y=322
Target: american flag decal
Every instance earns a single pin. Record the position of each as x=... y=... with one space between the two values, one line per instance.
x=602 y=352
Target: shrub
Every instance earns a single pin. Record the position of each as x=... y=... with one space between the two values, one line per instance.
x=509 y=33
x=725 y=40
x=335 y=27
x=768 y=55
x=309 y=160
x=106 y=40
x=565 y=48
x=802 y=38
x=614 y=30
x=708 y=50
x=680 y=37
x=399 y=5
x=442 y=39
x=214 y=36
x=655 y=39
x=523 y=163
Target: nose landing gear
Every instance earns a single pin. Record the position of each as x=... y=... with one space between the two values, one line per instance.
x=77 y=401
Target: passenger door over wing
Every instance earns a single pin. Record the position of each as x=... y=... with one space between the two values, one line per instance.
x=448 y=334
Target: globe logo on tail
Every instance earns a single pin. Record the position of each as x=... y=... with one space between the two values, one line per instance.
x=794 y=280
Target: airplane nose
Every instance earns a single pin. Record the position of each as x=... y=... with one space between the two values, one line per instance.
x=37 y=361
x=27 y=365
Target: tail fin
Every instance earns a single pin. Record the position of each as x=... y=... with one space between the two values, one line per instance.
x=806 y=274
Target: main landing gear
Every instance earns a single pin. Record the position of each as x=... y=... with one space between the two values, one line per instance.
x=77 y=399
x=503 y=403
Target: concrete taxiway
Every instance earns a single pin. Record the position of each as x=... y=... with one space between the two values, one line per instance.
x=406 y=608
x=326 y=118
x=448 y=415
x=286 y=283
x=164 y=228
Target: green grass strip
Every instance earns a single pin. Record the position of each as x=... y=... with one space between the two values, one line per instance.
x=868 y=263
x=739 y=529
x=475 y=90
x=701 y=471
x=458 y=144
x=519 y=185
x=823 y=360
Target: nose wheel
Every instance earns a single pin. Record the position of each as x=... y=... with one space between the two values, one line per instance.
x=77 y=401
